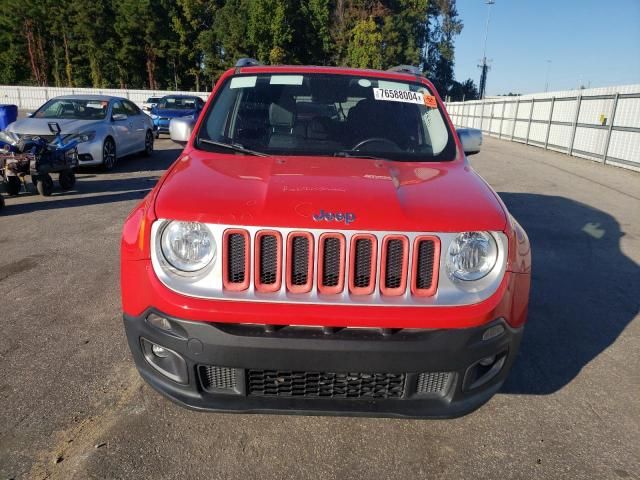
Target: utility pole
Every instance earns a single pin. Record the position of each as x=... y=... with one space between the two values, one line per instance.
x=484 y=68
x=546 y=77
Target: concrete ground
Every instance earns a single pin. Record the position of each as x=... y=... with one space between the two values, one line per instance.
x=73 y=406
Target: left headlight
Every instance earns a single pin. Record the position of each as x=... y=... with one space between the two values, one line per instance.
x=86 y=136
x=471 y=256
x=188 y=246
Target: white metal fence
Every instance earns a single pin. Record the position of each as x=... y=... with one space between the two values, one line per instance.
x=30 y=98
x=601 y=124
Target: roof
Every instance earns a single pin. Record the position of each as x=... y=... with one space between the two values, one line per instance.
x=106 y=98
x=330 y=70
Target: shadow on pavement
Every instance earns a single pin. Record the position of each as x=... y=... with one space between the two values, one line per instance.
x=584 y=292
x=111 y=187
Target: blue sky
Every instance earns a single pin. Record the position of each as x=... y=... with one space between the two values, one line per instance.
x=588 y=42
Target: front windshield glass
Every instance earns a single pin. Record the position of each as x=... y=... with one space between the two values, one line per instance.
x=338 y=115
x=74 y=109
x=177 y=103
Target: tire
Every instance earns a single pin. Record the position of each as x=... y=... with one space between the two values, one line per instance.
x=45 y=185
x=67 y=179
x=109 y=157
x=148 y=144
x=1 y=202
x=13 y=185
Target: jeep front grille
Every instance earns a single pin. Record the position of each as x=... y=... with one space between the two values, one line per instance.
x=328 y=264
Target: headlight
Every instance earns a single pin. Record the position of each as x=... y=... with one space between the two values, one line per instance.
x=188 y=246
x=471 y=256
x=86 y=136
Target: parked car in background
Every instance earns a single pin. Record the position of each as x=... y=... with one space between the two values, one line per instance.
x=323 y=245
x=174 y=106
x=150 y=103
x=114 y=126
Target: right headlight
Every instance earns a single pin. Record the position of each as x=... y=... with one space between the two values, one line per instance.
x=187 y=246
x=471 y=256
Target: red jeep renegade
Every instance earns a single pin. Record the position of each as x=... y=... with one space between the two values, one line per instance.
x=322 y=245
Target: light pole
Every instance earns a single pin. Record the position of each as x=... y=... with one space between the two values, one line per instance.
x=546 y=77
x=484 y=67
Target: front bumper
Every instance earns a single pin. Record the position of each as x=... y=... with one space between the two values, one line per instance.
x=161 y=124
x=90 y=153
x=301 y=361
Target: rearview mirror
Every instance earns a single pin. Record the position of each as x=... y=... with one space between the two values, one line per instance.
x=118 y=117
x=180 y=129
x=471 y=139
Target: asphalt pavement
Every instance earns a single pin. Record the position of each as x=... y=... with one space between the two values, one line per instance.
x=72 y=405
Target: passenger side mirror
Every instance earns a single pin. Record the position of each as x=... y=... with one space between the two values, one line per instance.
x=118 y=117
x=29 y=114
x=180 y=129
x=471 y=139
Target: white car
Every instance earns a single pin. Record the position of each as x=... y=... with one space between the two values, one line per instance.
x=150 y=103
x=115 y=126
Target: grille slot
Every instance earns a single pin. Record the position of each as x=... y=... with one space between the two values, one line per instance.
x=300 y=262
x=276 y=383
x=395 y=253
x=217 y=378
x=395 y=260
x=236 y=259
x=424 y=274
x=268 y=259
x=237 y=267
x=362 y=265
x=435 y=383
x=331 y=262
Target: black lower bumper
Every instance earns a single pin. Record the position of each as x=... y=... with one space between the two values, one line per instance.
x=404 y=373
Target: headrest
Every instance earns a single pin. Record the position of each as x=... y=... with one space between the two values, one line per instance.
x=282 y=114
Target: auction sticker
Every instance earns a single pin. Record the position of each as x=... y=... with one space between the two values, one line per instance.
x=406 y=96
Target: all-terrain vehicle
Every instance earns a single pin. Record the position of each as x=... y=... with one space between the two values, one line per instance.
x=36 y=156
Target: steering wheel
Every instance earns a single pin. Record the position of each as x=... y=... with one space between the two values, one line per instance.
x=394 y=145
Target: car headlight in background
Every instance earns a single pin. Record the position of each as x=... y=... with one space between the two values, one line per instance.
x=188 y=246
x=471 y=256
x=87 y=136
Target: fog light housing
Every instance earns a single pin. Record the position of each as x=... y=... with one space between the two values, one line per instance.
x=159 y=351
x=484 y=370
x=166 y=361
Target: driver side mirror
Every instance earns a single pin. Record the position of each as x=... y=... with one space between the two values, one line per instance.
x=118 y=117
x=180 y=129
x=471 y=139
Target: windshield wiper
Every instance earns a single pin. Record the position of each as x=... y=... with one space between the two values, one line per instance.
x=356 y=154
x=236 y=147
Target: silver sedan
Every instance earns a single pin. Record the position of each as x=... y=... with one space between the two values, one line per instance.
x=114 y=126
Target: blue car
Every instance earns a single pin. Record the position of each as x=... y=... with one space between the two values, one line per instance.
x=173 y=106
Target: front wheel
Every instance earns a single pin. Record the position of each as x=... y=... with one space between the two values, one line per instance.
x=67 y=180
x=148 y=144
x=44 y=185
x=109 y=154
x=13 y=185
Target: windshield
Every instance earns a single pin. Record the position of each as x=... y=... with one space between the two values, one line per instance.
x=178 y=103
x=338 y=115
x=74 y=109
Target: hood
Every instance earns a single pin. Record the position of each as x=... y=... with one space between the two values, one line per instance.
x=167 y=112
x=40 y=126
x=301 y=191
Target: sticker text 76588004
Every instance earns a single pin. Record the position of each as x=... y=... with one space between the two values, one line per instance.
x=394 y=95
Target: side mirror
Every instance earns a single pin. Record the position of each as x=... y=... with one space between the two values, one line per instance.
x=180 y=129
x=118 y=117
x=29 y=114
x=471 y=139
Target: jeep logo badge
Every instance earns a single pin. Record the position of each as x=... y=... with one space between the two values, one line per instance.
x=346 y=217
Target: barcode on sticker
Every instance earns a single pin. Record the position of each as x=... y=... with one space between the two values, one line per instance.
x=393 y=95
